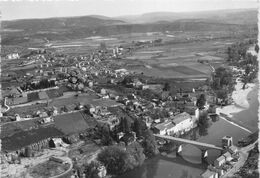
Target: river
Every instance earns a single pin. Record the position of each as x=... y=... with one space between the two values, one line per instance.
x=189 y=164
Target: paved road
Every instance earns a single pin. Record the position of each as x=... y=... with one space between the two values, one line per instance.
x=243 y=157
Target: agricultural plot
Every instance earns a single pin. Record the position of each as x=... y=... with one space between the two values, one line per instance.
x=167 y=61
x=54 y=93
x=84 y=99
x=14 y=127
x=84 y=153
x=33 y=96
x=26 y=110
x=48 y=169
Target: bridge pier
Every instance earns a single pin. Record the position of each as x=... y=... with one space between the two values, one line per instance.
x=179 y=150
x=204 y=156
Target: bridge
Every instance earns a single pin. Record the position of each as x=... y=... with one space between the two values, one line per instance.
x=202 y=146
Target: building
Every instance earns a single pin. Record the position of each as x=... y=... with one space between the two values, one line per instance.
x=227 y=141
x=227 y=156
x=209 y=174
x=13 y=56
x=26 y=142
x=165 y=128
x=128 y=138
x=232 y=149
x=183 y=122
x=219 y=161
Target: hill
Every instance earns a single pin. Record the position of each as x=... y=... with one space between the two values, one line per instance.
x=60 y=23
x=233 y=16
x=31 y=30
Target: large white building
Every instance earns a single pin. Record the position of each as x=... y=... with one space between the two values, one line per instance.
x=182 y=122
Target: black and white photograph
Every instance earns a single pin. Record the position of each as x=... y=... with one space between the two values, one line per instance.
x=129 y=88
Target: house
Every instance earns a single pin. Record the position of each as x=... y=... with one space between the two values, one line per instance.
x=26 y=142
x=219 y=161
x=43 y=114
x=209 y=174
x=227 y=156
x=13 y=56
x=128 y=138
x=145 y=87
x=165 y=128
x=103 y=91
x=112 y=121
x=183 y=122
x=46 y=120
x=232 y=149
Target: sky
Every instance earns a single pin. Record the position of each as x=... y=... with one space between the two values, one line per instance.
x=23 y=9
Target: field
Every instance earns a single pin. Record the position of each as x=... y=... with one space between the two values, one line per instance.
x=167 y=60
x=178 y=60
x=26 y=110
x=83 y=99
x=48 y=169
x=84 y=153
x=54 y=93
x=33 y=96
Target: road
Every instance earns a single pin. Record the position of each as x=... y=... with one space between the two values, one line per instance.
x=243 y=157
x=192 y=142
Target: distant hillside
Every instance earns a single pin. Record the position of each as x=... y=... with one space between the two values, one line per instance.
x=23 y=31
x=233 y=16
x=60 y=23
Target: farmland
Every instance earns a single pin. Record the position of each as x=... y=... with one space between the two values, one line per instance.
x=83 y=99
x=26 y=110
x=48 y=169
x=165 y=60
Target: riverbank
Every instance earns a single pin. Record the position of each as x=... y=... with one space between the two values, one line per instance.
x=242 y=100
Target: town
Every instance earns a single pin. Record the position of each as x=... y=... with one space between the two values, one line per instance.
x=71 y=111
x=80 y=105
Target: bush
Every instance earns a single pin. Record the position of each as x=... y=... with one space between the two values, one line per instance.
x=115 y=159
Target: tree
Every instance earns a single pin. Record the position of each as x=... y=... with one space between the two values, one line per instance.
x=201 y=101
x=125 y=125
x=203 y=124
x=222 y=77
x=247 y=69
x=115 y=159
x=166 y=87
x=138 y=127
x=222 y=94
x=136 y=155
x=256 y=48
x=103 y=46
x=149 y=144
x=91 y=170
x=106 y=138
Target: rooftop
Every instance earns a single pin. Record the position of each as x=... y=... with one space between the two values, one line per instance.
x=165 y=125
x=208 y=173
x=221 y=158
x=181 y=117
x=25 y=138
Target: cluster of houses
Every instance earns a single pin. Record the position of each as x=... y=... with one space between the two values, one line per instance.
x=102 y=115
x=224 y=162
x=13 y=56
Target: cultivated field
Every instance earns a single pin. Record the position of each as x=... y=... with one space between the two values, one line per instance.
x=178 y=60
